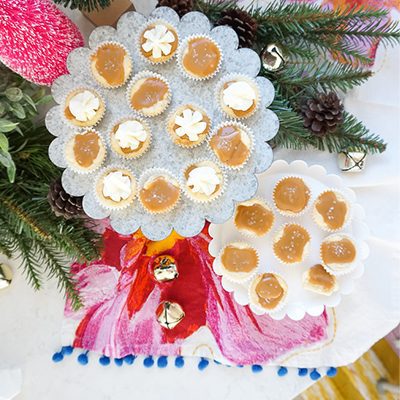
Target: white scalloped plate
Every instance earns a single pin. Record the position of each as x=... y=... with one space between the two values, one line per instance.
x=299 y=301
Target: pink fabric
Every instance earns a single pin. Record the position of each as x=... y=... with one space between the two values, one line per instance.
x=107 y=324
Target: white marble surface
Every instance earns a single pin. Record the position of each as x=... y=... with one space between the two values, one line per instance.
x=30 y=323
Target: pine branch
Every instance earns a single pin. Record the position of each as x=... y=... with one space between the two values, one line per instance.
x=84 y=5
x=326 y=76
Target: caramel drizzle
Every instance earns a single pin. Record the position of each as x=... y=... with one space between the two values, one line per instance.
x=255 y=218
x=202 y=57
x=236 y=259
x=338 y=252
x=228 y=145
x=319 y=277
x=159 y=195
x=332 y=210
x=290 y=247
x=86 y=148
x=291 y=194
x=269 y=291
x=109 y=62
x=149 y=93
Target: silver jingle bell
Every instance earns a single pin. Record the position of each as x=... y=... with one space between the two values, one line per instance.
x=352 y=161
x=169 y=314
x=272 y=58
x=6 y=276
x=165 y=268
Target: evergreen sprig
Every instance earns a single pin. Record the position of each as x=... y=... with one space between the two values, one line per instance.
x=85 y=5
x=326 y=50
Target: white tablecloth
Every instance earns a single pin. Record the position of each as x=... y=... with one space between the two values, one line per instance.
x=30 y=323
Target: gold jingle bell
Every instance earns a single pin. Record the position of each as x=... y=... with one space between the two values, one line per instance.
x=272 y=58
x=165 y=268
x=6 y=276
x=169 y=314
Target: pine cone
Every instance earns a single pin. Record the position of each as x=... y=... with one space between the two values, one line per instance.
x=63 y=204
x=322 y=114
x=182 y=7
x=243 y=23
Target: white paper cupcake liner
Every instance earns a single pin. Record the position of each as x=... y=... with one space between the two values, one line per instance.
x=279 y=234
x=153 y=172
x=214 y=196
x=170 y=122
x=83 y=124
x=182 y=46
x=289 y=213
x=236 y=77
x=319 y=220
x=243 y=127
x=232 y=276
x=348 y=268
x=108 y=204
x=144 y=28
x=246 y=232
x=142 y=75
x=145 y=148
x=130 y=69
x=281 y=304
x=82 y=170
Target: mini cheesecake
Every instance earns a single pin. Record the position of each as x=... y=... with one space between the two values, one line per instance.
x=149 y=94
x=238 y=261
x=158 y=42
x=200 y=57
x=291 y=196
x=268 y=291
x=254 y=218
x=331 y=211
x=84 y=107
x=85 y=151
x=317 y=279
x=291 y=244
x=203 y=181
x=231 y=143
x=111 y=65
x=159 y=193
x=338 y=253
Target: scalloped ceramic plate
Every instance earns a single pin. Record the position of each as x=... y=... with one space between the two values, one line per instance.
x=299 y=300
x=188 y=218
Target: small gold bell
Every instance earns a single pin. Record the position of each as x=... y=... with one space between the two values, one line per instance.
x=169 y=314
x=272 y=58
x=5 y=276
x=165 y=268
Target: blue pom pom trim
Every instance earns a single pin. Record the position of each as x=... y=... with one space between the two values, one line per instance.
x=179 y=362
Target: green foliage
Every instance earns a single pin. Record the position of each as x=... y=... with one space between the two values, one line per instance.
x=84 y=5
x=18 y=107
x=325 y=50
x=28 y=228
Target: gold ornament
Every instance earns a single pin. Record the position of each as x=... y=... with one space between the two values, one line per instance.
x=272 y=58
x=169 y=314
x=165 y=268
x=352 y=161
x=6 y=276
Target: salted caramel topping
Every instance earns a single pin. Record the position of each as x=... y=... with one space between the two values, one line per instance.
x=150 y=92
x=269 y=291
x=255 y=218
x=319 y=277
x=228 y=145
x=202 y=57
x=159 y=195
x=109 y=62
x=291 y=194
x=86 y=148
x=332 y=210
x=290 y=247
x=340 y=251
x=236 y=259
